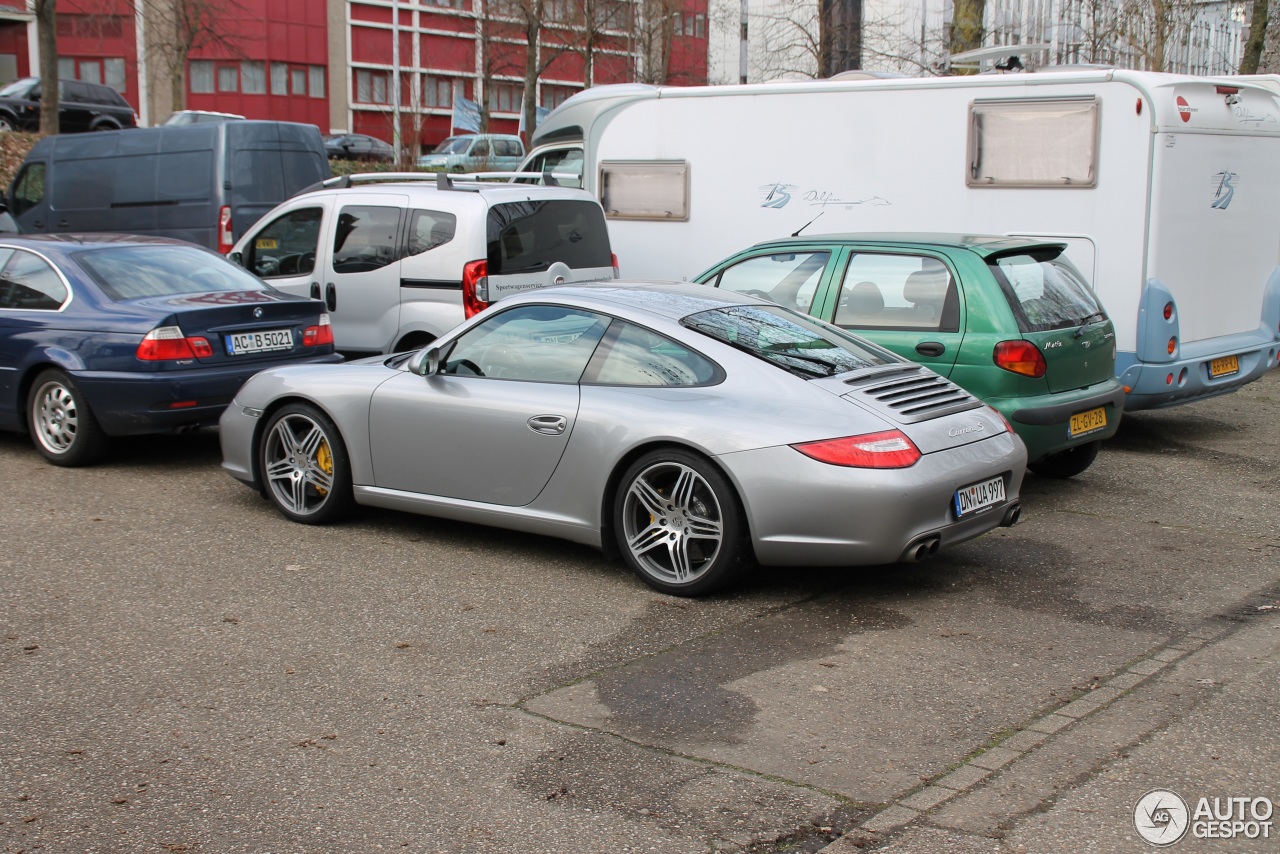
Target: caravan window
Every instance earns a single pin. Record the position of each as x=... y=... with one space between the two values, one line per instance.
x=637 y=189
x=1033 y=143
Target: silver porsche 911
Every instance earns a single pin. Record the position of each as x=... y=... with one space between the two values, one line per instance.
x=688 y=430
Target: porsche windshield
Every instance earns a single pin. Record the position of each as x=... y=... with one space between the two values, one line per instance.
x=791 y=341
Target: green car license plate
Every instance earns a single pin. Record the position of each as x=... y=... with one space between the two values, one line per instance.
x=1087 y=422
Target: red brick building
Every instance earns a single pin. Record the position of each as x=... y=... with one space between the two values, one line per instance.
x=360 y=65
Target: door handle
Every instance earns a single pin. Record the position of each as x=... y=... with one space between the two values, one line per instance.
x=931 y=348
x=331 y=296
x=63 y=224
x=37 y=225
x=552 y=425
x=315 y=290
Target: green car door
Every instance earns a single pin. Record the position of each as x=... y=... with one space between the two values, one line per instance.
x=906 y=301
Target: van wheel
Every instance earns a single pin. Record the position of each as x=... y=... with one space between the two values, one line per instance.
x=5 y=124
x=1068 y=463
x=413 y=341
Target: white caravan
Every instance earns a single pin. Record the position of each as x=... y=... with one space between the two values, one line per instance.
x=1164 y=187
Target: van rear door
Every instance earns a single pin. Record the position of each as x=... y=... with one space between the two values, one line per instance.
x=533 y=244
x=361 y=249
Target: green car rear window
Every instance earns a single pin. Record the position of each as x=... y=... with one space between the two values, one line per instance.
x=1044 y=291
x=788 y=339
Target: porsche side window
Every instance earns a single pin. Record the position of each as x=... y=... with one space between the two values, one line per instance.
x=537 y=343
x=632 y=355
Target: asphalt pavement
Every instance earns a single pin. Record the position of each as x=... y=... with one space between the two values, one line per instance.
x=184 y=670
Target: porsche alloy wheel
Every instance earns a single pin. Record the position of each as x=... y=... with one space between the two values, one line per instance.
x=304 y=466
x=678 y=523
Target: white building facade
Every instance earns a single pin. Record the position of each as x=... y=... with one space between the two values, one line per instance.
x=911 y=36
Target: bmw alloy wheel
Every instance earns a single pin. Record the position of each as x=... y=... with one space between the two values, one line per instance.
x=62 y=426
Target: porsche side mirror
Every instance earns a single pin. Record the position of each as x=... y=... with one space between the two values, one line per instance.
x=425 y=362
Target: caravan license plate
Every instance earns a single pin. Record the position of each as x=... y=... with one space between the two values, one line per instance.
x=1224 y=367
x=1087 y=422
x=244 y=343
x=979 y=496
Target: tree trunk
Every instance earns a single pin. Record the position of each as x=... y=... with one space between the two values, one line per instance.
x=47 y=38
x=529 y=101
x=839 y=37
x=1257 y=37
x=966 y=26
x=178 y=82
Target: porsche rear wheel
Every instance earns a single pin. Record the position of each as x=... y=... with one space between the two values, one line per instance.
x=678 y=523
x=304 y=466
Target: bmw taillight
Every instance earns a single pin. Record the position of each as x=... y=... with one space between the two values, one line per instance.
x=890 y=449
x=318 y=336
x=225 y=240
x=168 y=342
x=1020 y=357
x=617 y=271
x=475 y=287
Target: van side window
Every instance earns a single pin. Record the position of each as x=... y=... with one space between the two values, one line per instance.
x=28 y=282
x=29 y=189
x=429 y=229
x=898 y=292
x=365 y=238
x=287 y=246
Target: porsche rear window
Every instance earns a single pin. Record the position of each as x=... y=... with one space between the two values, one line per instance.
x=137 y=272
x=788 y=339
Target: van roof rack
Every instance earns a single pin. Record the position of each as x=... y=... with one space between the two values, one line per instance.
x=443 y=180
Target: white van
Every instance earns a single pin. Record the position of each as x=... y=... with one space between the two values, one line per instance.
x=399 y=263
x=1162 y=186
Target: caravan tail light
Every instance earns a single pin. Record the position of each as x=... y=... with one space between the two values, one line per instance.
x=613 y=256
x=890 y=449
x=1020 y=357
x=1168 y=311
x=225 y=240
x=169 y=342
x=475 y=287
x=1173 y=346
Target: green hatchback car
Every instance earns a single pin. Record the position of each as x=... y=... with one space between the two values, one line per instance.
x=1008 y=319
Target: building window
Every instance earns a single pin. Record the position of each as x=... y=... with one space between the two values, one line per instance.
x=554 y=96
x=371 y=86
x=90 y=72
x=448 y=4
x=200 y=76
x=228 y=79
x=298 y=80
x=279 y=78
x=253 y=78
x=66 y=68
x=437 y=91
x=113 y=74
x=694 y=26
x=316 y=80
x=505 y=97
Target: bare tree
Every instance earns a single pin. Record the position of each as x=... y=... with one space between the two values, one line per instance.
x=655 y=27
x=839 y=36
x=1258 y=22
x=179 y=27
x=47 y=39
x=967 y=26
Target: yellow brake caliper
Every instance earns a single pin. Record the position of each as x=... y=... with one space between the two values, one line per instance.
x=324 y=459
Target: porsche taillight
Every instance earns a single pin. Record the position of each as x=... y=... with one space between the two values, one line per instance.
x=890 y=449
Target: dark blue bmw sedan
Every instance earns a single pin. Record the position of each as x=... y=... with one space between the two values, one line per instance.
x=107 y=335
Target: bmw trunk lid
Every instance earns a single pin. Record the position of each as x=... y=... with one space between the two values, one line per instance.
x=244 y=326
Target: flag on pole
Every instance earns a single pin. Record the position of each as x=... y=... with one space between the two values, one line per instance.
x=539 y=113
x=466 y=115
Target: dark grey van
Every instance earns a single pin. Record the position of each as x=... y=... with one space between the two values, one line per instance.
x=203 y=183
